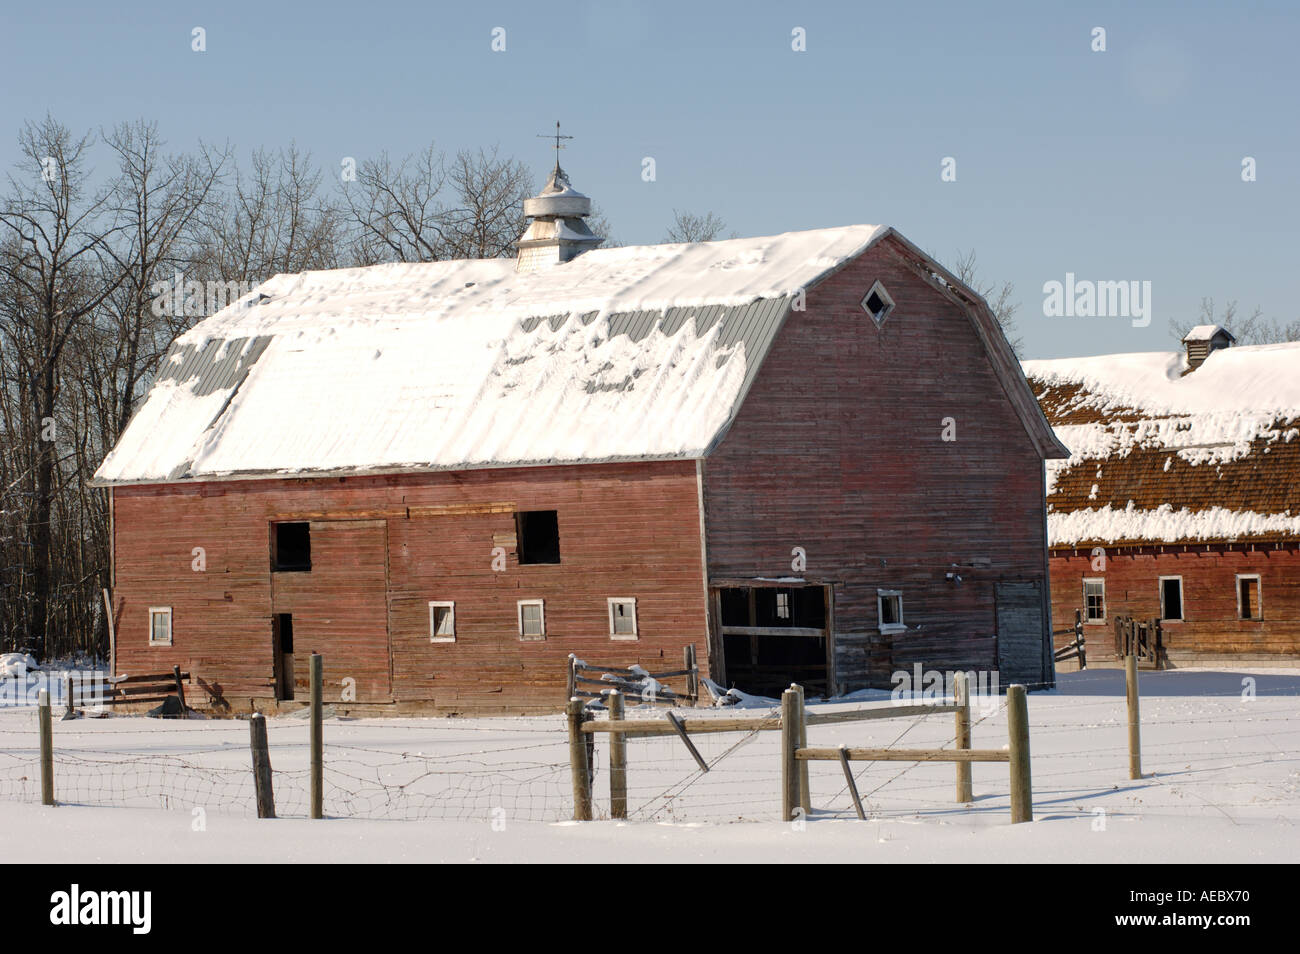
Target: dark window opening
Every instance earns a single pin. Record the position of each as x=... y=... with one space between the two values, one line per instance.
x=538 y=536
x=1171 y=599
x=875 y=304
x=1248 y=596
x=282 y=654
x=291 y=547
x=891 y=609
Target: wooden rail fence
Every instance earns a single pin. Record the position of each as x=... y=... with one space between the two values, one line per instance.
x=629 y=681
x=1075 y=649
x=793 y=723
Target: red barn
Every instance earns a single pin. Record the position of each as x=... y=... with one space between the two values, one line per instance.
x=813 y=454
x=1181 y=498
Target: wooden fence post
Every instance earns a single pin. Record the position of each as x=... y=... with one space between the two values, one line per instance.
x=1134 y=717
x=617 y=759
x=47 y=747
x=317 y=738
x=578 y=769
x=261 y=766
x=1079 y=640
x=852 y=785
x=69 y=707
x=180 y=689
x=961 y=692
x=571 y=678
x=1022 y=797
x=789 y=743
x=692 y=673
x=805 y=797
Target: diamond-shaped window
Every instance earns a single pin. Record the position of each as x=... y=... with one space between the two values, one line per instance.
x=877 y=304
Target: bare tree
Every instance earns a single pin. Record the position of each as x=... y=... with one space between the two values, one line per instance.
x=1001 y=298
x=487 y=217
x=1254 y=329
x=57 y=270
x=690 y=227
x=396 y=211
x=425 y=209
x=156 y=197
x=271 y=219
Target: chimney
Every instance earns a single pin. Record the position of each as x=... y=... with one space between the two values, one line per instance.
x=557 y=231
x=1203 y=339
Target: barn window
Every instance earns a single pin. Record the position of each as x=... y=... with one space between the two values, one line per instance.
x=622 y=618
x=291 y=547
x=160 y=625
x=877 y=303
x=538 y=533
x=889 y=610
x=1094 y=601
x=782 y=604
x=442 y=622
x=532 y=619
x=1248 y=604
x=1171 y=597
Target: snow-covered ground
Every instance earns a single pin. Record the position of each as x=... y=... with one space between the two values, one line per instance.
x=1221 y=752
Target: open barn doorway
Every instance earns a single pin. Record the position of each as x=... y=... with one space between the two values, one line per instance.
x=282 y=654
x=773 y=635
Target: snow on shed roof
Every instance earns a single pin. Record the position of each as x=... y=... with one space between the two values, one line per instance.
x=1206 y=333
x=625 y=353
x=1162 y=455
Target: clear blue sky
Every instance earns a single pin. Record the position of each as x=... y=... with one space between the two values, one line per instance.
x=1122 y=165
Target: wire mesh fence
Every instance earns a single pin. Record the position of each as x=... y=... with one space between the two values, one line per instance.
x=1213 y=752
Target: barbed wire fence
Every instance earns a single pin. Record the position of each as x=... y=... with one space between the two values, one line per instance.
x=519 y=769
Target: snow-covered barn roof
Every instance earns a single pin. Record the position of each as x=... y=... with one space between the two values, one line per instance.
x=1162 y=455
x=623 y=353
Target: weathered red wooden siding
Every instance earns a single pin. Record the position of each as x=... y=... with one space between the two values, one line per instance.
x=626 y=530
x=837 y=449
x=1210 y=632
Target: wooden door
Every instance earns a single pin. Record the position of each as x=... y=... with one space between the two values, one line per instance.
x=340 y=610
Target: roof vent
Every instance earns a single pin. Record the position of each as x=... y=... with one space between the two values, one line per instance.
x=557 y=231
x=1202 y=340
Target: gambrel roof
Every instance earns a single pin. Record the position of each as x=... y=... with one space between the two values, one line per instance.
x=633 y=353
x=1159 y=454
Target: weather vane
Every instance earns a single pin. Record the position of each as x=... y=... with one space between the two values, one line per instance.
x=557 y=137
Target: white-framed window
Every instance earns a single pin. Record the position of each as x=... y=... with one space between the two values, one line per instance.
x=160 y=625
x=1171 y=598
x=782 y=604
x=622 y=617
x=442 y=621
x=532 y=619
x=1094 y=600
x=889 y=611
x=1249 y=600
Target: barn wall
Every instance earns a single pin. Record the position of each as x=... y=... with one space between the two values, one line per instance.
x=1210 y=632
x=626 y=530
x=838 y=450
